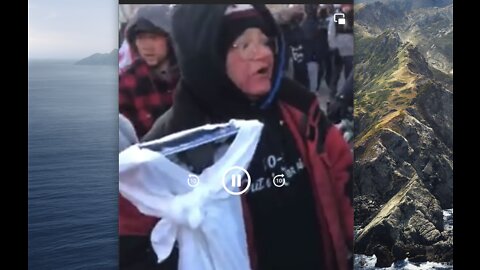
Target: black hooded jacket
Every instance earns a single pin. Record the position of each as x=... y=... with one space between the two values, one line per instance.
x=205 y=94
x=311 y=31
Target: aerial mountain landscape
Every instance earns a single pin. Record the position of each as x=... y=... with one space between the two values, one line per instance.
x=403 y=173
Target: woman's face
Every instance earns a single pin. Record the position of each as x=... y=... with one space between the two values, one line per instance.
x=250 y=63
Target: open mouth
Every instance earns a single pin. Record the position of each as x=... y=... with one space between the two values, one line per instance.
x=263 y=71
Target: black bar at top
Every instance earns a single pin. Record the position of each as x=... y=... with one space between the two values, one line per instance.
x=219 y=2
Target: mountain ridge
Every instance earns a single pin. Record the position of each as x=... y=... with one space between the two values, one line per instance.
x=404 y=130
x=101 y=59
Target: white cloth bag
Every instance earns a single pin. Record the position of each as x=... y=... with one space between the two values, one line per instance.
x=206 y=221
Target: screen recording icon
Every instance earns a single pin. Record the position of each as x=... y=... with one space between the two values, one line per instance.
x=341 y=18
x=232 y=180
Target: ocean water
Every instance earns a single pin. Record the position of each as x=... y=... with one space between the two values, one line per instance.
x=72 y=166
x=363 y=262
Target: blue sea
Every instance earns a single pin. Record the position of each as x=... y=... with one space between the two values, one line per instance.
x=72 y=166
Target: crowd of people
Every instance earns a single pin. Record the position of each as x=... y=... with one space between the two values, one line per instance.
x=192 y=65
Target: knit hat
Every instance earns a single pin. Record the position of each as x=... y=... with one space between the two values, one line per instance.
x=238 y=18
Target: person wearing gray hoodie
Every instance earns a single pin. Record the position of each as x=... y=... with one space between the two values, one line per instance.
x=146 y=87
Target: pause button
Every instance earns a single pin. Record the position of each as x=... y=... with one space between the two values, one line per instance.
x=232 y=180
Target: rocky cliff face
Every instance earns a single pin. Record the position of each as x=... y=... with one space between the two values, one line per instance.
x=410 y=225
x=404 y=134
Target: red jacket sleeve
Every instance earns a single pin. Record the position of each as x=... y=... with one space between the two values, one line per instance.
x=341 y=159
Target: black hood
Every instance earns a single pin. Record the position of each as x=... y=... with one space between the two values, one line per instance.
x=197 y=34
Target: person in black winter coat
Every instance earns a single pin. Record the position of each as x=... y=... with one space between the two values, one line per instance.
x=310 y=27
x=295 y=40
x=323 y=55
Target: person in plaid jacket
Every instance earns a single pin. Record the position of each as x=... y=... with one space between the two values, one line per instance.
x=146 y=87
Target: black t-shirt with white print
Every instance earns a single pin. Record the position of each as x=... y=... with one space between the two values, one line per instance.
x=285 y=224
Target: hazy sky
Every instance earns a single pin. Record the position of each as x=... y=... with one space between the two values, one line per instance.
x=71 y=29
